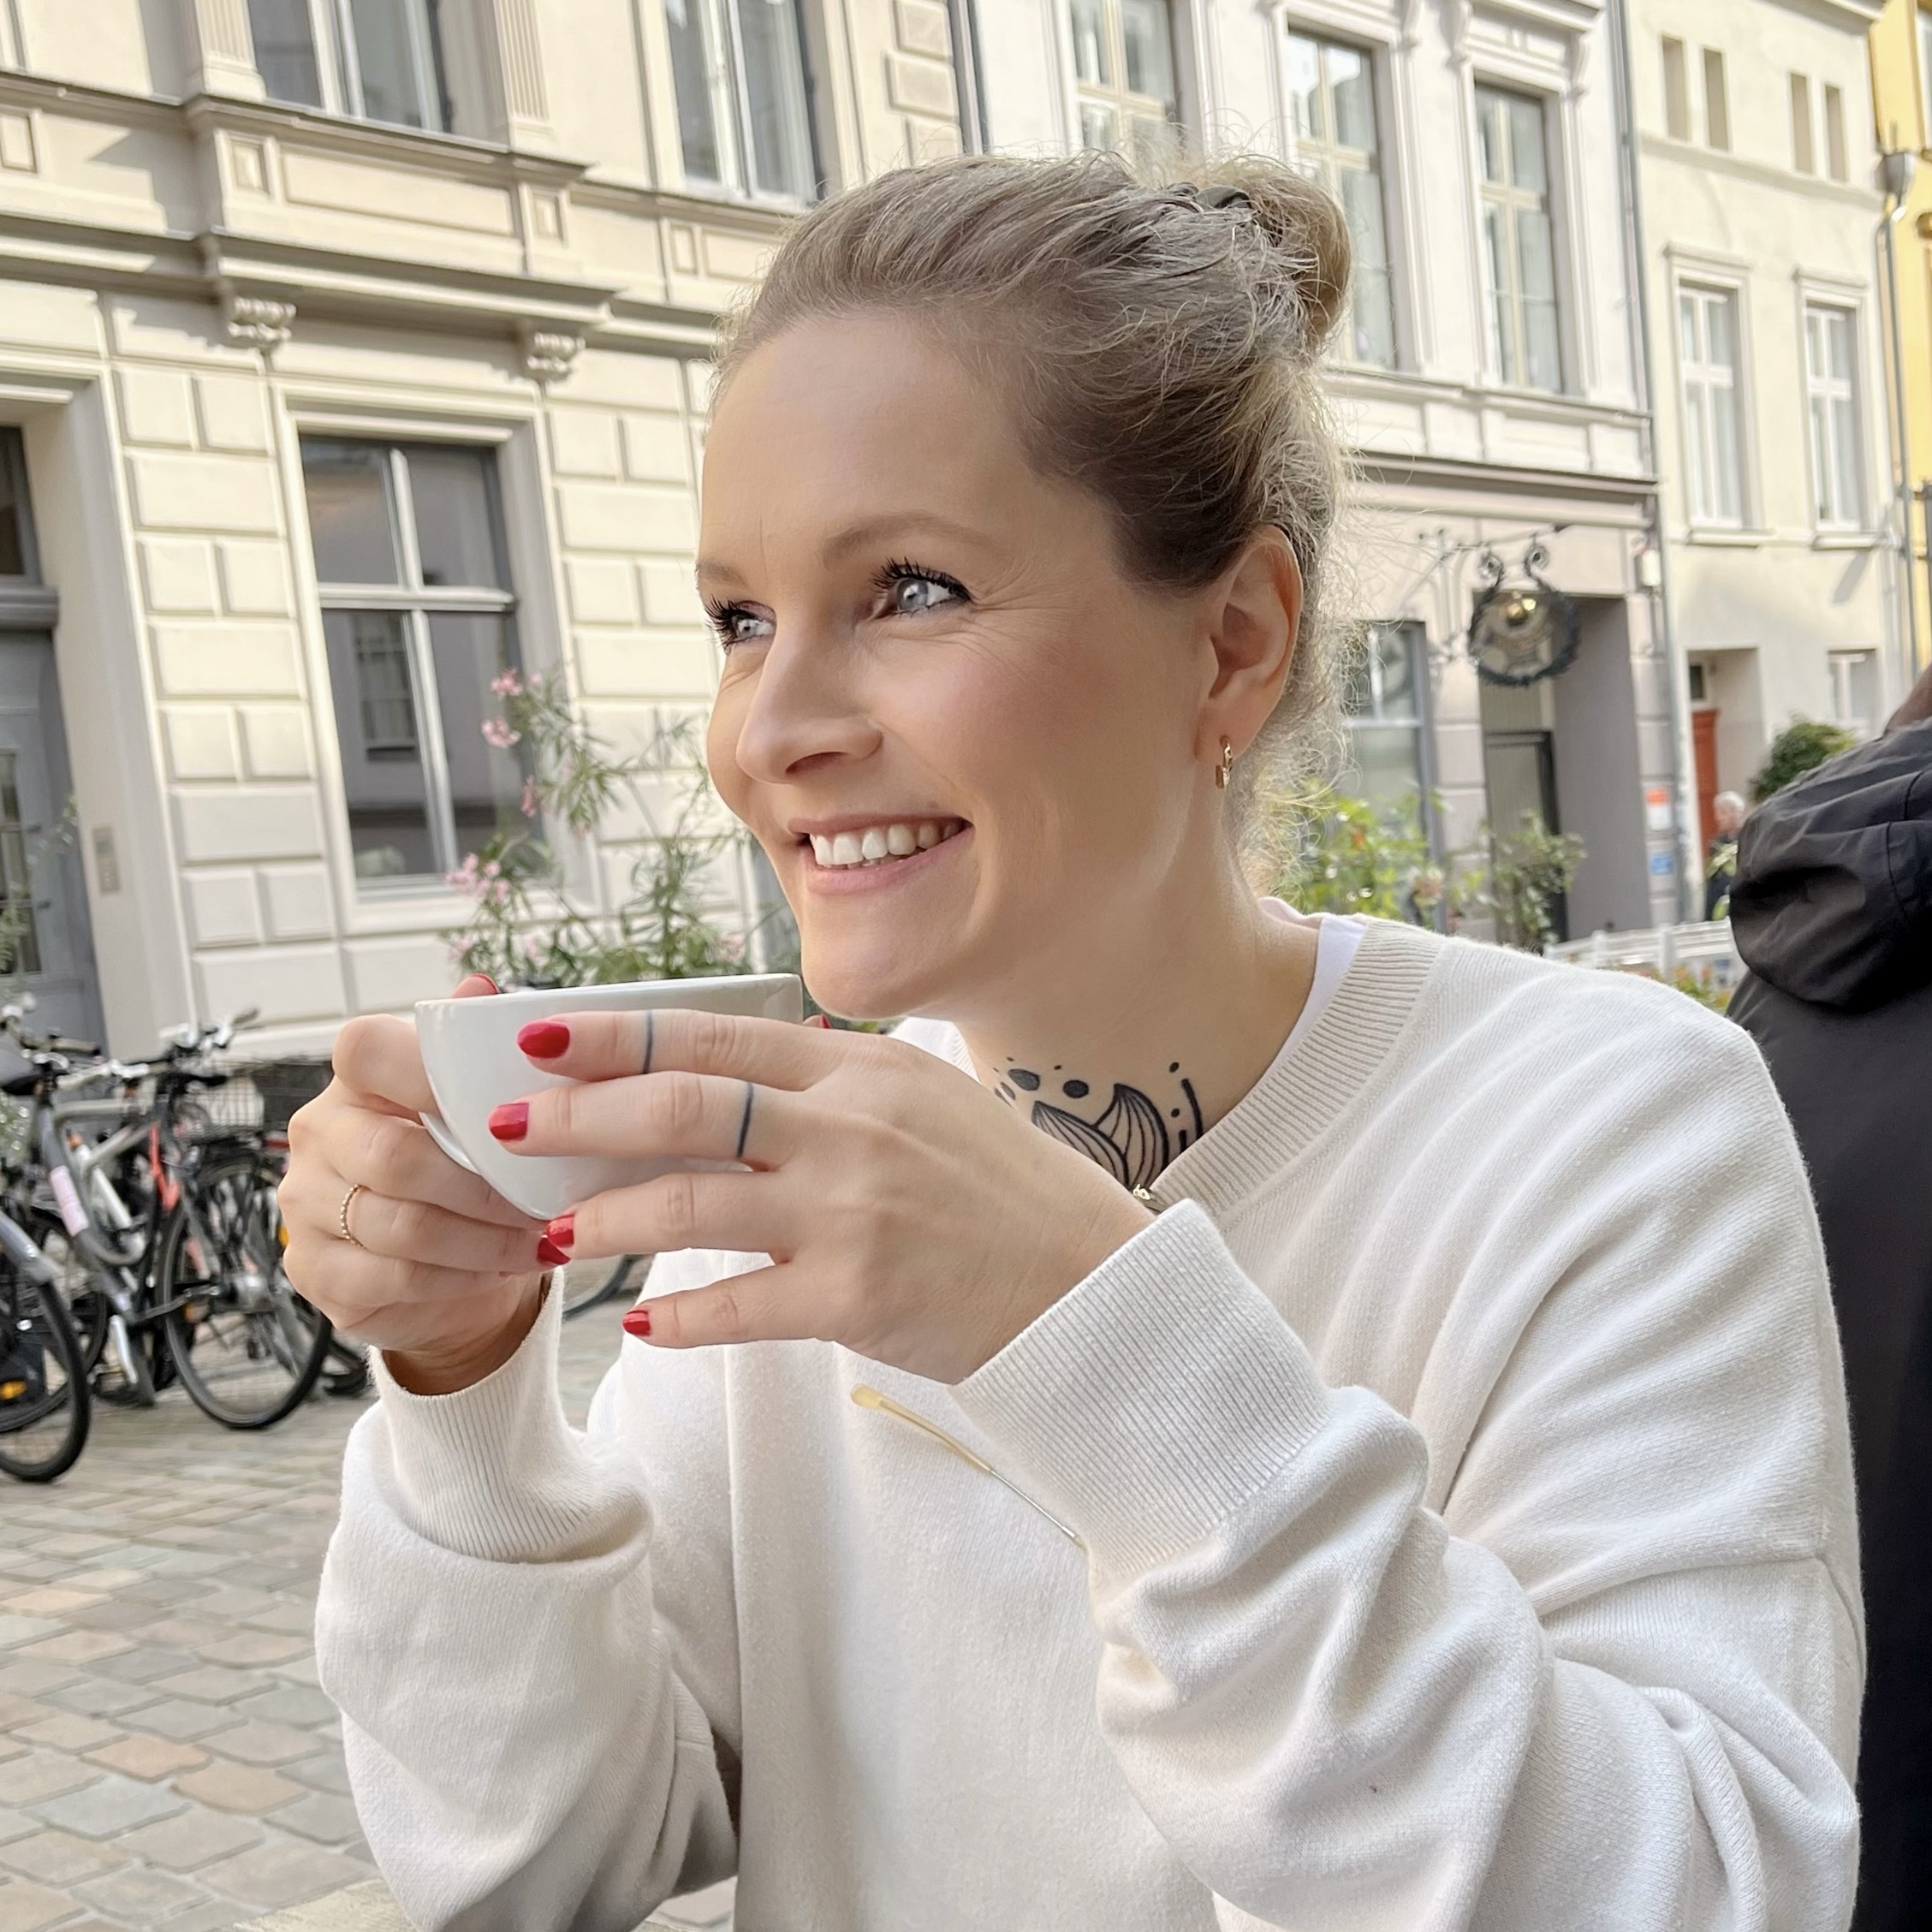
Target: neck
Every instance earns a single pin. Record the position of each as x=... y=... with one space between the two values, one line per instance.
x=1129 y=1042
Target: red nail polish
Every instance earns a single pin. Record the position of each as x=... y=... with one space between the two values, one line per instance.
x=544 y=1039
x=562 y=1231
x=819 y=1019
x=638 y=1324
x=510 y=1121
x=550 y=1253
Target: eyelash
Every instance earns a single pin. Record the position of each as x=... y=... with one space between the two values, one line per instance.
x=901 y=570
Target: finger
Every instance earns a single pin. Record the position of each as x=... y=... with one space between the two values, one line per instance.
x=336 y=1273
x=377 y=1054
x=754 y=1307
x=743 y=1213
x=690 y=1117
x=474 y=986
x=421 y=1233
x=394 y=1154
x=601 y=1046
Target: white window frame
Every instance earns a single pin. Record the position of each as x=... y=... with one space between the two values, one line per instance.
x=731 y=109
x=1119 y=100
x=1697 y=427
x=1514 y=201
x=1329 y=158
x=1924 y=50
x=339 y=72
x=1835 y=518
x=1845 y=666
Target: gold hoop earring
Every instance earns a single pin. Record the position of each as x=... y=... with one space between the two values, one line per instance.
x=1225 y=770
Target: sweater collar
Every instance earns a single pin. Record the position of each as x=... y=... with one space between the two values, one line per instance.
x=1309 y=1083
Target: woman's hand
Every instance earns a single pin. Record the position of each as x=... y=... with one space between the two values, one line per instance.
x=444 y=1274
x=908 y=1214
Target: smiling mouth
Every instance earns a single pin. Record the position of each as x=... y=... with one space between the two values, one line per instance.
x=880 y=845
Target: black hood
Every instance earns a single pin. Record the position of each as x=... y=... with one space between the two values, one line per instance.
x=1834 y=899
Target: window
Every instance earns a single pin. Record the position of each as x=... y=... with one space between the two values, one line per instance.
x=418 y=620
x=1707 y=350
x=1802 y=156
x=1832 y=390
x=1854 y=690
x=1677 y=91
x=1717 y=104
x=377 y=60
x=1383 y=711
x=17 y=559
x=1335 y=114
x=1123 y=60
x=738 y=71
x=1836 y=157
x=1519 y=251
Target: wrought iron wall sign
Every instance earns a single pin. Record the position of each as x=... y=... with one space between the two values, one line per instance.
x=1522 y=631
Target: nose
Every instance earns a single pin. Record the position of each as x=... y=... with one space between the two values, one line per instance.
x=806 y=711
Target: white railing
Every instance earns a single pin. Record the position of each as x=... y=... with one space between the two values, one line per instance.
x=1704 y=952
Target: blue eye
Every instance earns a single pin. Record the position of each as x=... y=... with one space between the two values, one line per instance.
x=909 y=589
x=736 y=623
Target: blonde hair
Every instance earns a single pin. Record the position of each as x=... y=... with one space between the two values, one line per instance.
x=1160 y=341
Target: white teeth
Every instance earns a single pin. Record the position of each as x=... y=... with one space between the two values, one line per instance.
x=879 y=844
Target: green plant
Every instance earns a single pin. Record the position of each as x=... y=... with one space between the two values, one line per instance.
x=524 y=928
x=1529 y=869
x=1798 y=749
x=1327 y=853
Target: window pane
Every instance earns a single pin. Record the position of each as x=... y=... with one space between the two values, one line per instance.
x=1687 y=329
x=1495 y=260
x=485 y=780
x=1351 y=78
x=691 y=79
x=1821 y=460
x=1304 y=85
x=1091 y=60
x=1717 y=103
x=351 y=518
x=1490 y=110
x=1696 y=444
x=1848 y=507
x=1394 y=672
x=393 y=56
x=1677 y=91
x=1726 y=461
x=1525 y=146
x=1838 y=335
x=1149 y=39
x=1720 y=320
x=284 y=37
x=1097 y=125
x=373 y=685
x=1836 y=154
x=13 y=506
x=1374 y=329
x=455 y=532
x=768 y=30
x=1385 y=764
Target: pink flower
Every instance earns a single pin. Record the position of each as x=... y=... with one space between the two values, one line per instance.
x=527 y=804
x=507 y=684
x=497 y=732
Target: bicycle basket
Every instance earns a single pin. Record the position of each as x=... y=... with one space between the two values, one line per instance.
x=233 y=1108
x=285 y=1085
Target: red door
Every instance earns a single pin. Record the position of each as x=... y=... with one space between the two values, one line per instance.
x=1703 y=745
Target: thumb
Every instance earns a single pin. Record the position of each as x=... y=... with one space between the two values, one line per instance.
x=474 y=985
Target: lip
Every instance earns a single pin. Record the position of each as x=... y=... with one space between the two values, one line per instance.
x=837 y=880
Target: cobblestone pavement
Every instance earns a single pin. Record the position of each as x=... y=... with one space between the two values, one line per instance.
x=166 y=1759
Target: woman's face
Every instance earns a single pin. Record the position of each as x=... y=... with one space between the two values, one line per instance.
x=969 y=743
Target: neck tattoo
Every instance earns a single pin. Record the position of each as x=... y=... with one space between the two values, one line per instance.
x=1133 y=1137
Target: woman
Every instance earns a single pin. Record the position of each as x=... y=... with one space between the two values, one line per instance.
x=1422 y=1494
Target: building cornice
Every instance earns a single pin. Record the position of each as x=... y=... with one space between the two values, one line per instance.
x=1780 y=181
x=1449 y=472
x=1346 y=381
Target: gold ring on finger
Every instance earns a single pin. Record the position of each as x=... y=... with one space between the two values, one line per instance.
x=343 y=1214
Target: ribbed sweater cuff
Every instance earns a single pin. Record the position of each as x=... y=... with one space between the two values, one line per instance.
x=1148 y=1404
x=494 y=1470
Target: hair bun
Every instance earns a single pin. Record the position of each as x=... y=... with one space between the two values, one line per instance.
x=1310 y=253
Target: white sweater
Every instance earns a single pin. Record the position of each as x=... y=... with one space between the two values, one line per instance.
x=1461 y=1465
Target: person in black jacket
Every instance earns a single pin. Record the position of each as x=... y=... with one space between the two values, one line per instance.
x=1832 y=912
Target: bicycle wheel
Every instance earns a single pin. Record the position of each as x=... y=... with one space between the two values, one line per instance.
x=246 y=1346
x=87 y=1307
x=586 y=1283
x=43 y=1405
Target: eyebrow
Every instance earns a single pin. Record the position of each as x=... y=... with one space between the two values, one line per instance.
x=856 y=537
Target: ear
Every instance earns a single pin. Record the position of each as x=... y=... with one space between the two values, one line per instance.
x=1254 y=617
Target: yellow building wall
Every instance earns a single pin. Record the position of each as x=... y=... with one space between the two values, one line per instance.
x=1900 y=90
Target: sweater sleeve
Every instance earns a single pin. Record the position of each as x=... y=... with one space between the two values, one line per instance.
x=1603 y=1672
x=531 y=1694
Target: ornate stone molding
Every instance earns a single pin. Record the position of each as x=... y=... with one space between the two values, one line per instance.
x=221 y=49
x=257 y=322
x=548 y=354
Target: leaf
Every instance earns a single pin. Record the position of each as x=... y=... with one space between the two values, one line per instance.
x=1134 y=1123
x=1082 y=1137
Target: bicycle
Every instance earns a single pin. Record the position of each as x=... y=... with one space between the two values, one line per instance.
x=44 y=1407
x=588 y=1284
x=173 y=1218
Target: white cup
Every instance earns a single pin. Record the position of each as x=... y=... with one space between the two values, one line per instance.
x=474 y=1064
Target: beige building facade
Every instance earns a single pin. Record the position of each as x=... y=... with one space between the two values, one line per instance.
x=351 y=355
